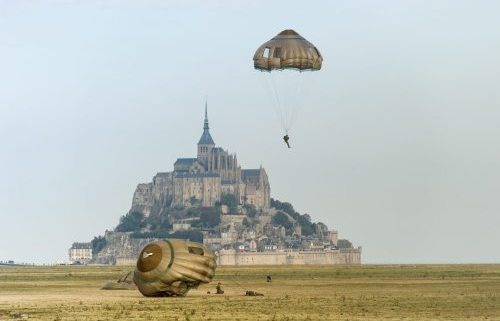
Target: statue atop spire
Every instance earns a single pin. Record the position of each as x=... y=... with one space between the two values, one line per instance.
x=205 y=126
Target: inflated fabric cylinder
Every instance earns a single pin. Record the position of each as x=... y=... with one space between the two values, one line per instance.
x=172 y=267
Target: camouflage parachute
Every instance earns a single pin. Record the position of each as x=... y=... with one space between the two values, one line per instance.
x=284 y=60
x=172 y=267
x=288 y=50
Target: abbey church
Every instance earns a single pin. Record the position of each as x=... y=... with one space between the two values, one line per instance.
x=203 y=180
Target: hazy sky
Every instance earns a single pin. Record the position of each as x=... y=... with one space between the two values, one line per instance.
x=397 y=146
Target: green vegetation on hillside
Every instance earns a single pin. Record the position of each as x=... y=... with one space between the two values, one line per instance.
x=192 y=235
x=210 y=217
x=98 y=243
x=230 y=201
x=282 y=219
x=159 y=222
x=344 y=244
x=131 y=222
x=308 y=228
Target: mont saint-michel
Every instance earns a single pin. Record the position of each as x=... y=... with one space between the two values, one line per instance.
x=212 y=199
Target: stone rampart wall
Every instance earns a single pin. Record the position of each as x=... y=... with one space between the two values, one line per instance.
x=231 y=257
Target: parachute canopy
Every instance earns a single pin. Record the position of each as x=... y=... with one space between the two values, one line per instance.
x=172 y=267
x=288 y=50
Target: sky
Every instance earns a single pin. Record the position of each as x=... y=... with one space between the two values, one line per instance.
x=395 y=145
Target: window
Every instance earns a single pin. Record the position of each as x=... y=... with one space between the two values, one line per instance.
x=277 y=52
x=266 y=53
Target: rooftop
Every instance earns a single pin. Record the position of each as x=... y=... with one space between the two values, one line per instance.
x=184 y=161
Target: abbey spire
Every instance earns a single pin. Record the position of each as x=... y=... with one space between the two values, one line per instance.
x=205 y=126
x=206 y=143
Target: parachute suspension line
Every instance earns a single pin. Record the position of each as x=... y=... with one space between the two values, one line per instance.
x=233 y=279
x=283 y=114
x=296 y=105
x=266 y=86
x=276 y=101
x=237 y=283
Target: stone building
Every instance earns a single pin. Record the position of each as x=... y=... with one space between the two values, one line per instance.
x=203 y=180
x=80 y=252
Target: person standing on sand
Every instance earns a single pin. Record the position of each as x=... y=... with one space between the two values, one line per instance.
x=219 y=289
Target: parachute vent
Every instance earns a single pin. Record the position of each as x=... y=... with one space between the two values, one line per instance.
x=149 y=258
x=288 y=32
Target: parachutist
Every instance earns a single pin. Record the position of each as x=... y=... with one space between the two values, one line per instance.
x=253 y=293
x=219 y=289
x=286 y=139
x=287 y=53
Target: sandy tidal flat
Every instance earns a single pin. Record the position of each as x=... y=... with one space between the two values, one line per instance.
x=370 y=292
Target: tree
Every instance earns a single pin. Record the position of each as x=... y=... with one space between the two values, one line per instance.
x=282 y=219
x=98 y=243
x=195 y=236
x=285 y=207
x=344 y=244
x=250 y=210
x=210 y=217
x=159 y=221
x=159 y=234
x=246 y=222
x=132 y=221
x=231 y=202
x=306 y=228
x=320 y=226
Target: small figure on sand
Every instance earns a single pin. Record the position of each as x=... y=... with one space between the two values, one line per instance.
x=219 y=289
x=253 y=293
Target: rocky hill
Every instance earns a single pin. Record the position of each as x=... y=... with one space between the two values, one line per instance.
x=227 y=225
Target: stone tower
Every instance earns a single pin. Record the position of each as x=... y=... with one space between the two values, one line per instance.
x=206 y=143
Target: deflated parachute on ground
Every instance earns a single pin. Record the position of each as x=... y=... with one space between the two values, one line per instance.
x=172 y=267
